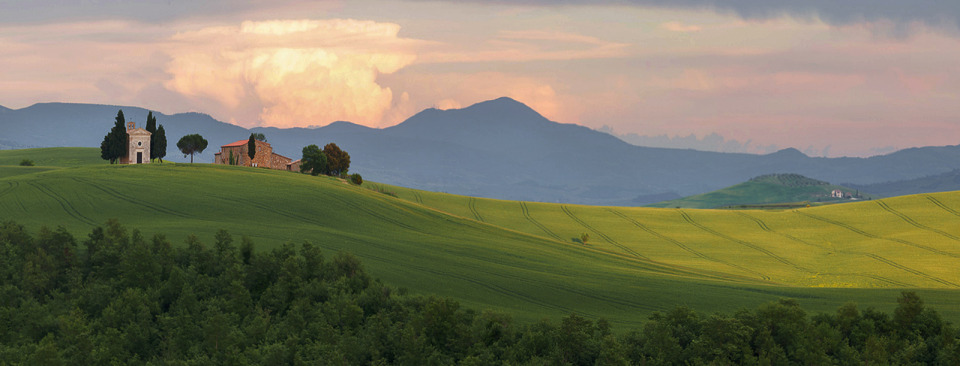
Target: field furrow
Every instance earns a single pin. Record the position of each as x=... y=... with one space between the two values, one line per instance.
x=763 y=226
x=376 y=214
x=526 y=214
x=686 y=247
x=473 y=209
x=116 y=194
x=601 y=234
x=747 y=244
x=914 y=223
x=11 y=185
x=67 y=206
x=873 y=236
x=911 y=270
x=941 y=205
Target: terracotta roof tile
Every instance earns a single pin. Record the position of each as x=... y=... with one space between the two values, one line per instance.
x=238 y=143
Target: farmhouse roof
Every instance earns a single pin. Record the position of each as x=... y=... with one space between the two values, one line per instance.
x=238 y=143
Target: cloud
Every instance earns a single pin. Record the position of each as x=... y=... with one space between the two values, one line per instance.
x=680 y=27
x=151 y=11
x=296 y=72
x=528 y=45
x=900 y=14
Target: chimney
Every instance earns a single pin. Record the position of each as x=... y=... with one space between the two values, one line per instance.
x=131 y=125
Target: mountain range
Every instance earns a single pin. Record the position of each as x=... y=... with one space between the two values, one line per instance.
x=499 y=149
x=949 y=181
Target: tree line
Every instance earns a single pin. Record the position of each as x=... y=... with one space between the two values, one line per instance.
x=118 y=297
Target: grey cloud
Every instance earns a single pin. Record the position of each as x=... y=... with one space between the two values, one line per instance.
x=934 y=13
x=901 y=13
x=44 y=11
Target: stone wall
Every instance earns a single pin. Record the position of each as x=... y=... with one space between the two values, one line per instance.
x=279 y=162
x=294 y=166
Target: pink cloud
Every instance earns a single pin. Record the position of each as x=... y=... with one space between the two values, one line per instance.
x=676 y=26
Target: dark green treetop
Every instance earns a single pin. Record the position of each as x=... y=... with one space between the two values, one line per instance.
x=252 y=147
x=191 y=144
x=114 y=145
x=158 y=144
x=314 y=161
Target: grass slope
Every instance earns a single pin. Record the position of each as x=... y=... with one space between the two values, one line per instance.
x=53 y=156
x=770 y=189
x=519 y=257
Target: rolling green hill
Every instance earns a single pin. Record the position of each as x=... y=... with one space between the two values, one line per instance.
x=771 y=189
x=520 y=257
x=54 y=156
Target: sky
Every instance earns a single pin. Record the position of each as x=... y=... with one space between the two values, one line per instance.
x=831 y=78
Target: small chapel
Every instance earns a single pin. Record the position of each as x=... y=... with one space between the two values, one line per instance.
x=138 y=145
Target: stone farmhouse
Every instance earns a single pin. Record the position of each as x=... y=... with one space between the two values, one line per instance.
x=138 y=145
x=236 y=154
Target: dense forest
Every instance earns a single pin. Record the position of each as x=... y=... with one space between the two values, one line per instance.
x=116 y=297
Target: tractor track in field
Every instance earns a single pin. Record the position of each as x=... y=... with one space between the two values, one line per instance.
x=473 y=208
x=684 y=246
x=64 y=203
x=764 y=227
x=520 y=295
x=602 y=235
x=19 y=201
x=495 y=288
x=526 y=214
x=416 y=195
x=941 y=205
x=265 y=207
x=911 y=270
x=11 y=186
x=121 y=196
x=913 y=222
x=375 y=214
x=874 y=236
x=753 y=246
x=877 y=257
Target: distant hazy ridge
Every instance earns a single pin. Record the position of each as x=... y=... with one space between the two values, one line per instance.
x=499 y=149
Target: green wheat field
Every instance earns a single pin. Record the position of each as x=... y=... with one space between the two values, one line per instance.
x=524 y=258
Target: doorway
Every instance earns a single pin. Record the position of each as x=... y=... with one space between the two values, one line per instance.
x=139 y=157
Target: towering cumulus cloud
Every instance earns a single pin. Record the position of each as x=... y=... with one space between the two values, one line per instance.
x=290 y=72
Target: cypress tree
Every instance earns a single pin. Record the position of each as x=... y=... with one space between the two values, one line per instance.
x=114 y=145
x=152 y=128
x=158 y=144
x=252 y=147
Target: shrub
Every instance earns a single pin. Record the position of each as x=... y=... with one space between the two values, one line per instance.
x=356 y=179
x=584 y=238
x=26 y=162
